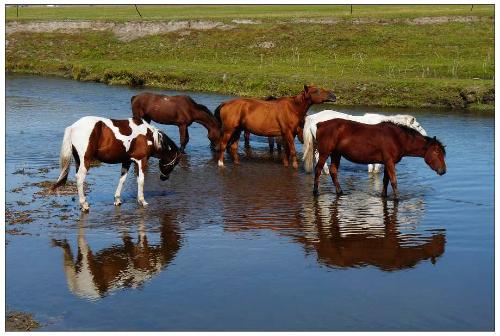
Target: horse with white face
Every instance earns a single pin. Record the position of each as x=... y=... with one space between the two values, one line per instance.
x=310 y=128
x=115 y=141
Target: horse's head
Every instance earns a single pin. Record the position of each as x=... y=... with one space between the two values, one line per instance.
x=169 y=155
x=318 y=95
x=434 y=156
x=214 y=135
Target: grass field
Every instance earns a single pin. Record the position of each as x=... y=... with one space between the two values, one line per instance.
x=372 y=57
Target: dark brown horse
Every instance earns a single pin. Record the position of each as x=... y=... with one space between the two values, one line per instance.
x=181 y=111
x=385 y=143
x=280 y=117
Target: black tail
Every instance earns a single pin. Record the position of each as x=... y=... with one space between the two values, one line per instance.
x=217 y=113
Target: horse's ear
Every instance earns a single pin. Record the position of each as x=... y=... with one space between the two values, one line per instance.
x=306 y=88
x=434 y=138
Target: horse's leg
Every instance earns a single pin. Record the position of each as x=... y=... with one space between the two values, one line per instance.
x=80 y=178
x=334 y=171
x=386 y=183
x=123 y=177
x=247 y=139
x=141 y=167
x=234 y=147
x=376 y=167
x=370 y=168
x=288 y=138
x=223 y=143
x=286 y=155
x=270 y=140
x=184 y=137
x=279 y=142
x=317 y=172
x=391 y=170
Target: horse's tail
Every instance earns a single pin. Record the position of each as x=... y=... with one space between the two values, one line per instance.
x=137 y=110
x=64 y=158
x=308 y=148
x=217 y=113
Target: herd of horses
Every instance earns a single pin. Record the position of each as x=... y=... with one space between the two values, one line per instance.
x=369 y=139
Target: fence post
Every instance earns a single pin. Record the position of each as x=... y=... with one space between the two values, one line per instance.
x=138 y=11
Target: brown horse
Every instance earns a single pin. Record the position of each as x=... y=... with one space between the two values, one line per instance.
x=385 y=143
x=181 y=111
x=280 y=117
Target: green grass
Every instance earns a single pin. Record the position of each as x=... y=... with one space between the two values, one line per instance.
x=440 y=65
x=226 y=12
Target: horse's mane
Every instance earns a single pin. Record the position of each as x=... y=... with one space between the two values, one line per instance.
x=161 y=141
x=200 y=106
x=413 y=132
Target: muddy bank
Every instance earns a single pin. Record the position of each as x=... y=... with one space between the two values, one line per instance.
x=128 y=31
x=19 y=321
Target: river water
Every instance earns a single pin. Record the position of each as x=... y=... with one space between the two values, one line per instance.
x=246 y=247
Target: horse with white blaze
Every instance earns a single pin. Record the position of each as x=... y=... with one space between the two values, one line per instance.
x=115 y=141
x=310 y=128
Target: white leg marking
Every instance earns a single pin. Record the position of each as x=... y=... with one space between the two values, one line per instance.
x=118 y=192
x=220 y=163
x=80 y=178
x=140 y=184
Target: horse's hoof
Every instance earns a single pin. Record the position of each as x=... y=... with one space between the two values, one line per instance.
x=117 y=202
x=85 y=207
x=315 y=192
x=295 y=165
x=340 y=193
x=220 y=163
x=143 y=203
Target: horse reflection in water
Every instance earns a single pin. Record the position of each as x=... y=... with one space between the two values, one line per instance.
x=372 y=232
x=93 y=275
x=355 y=231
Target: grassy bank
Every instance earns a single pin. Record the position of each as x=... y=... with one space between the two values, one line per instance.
x=374 y=57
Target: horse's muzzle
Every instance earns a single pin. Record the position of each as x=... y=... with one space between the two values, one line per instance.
x=332 y=98
x=164 y=177
x=441 y=171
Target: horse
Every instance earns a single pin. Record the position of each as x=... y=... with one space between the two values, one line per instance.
x=270 y=140
x=309 y=134
x=279 y=117
x=115 y=141
x=181 y=111
x=385 y=143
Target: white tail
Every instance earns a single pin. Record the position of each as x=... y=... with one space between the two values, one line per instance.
x=65 y=158
x=308 y=147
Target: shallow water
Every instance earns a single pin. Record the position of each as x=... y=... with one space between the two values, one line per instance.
x=245 y=247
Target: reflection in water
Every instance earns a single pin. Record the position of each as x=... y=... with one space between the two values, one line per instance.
x=356 y=230
x=361 y=231
x=93 y=275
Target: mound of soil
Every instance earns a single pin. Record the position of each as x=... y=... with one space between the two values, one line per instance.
x=19 y=321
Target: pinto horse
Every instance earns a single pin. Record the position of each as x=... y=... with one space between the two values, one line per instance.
x=309 y=133
x=280 y=117
x=385 y=143
x=115 y=141
x=181 y=111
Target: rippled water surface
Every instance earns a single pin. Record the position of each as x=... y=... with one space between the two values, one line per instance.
x=246 y=247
